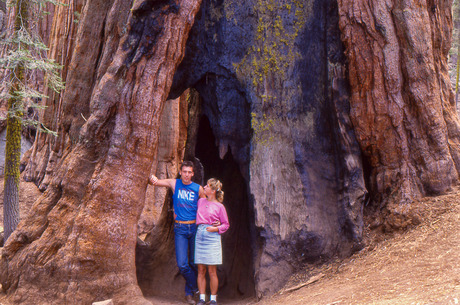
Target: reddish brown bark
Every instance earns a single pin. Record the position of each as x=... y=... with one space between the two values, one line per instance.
x=171 y=148
x=100 y=27
x=79 y=245
x=157 y=270
x=402 y=104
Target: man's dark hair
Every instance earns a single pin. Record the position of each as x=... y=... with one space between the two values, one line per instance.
x=187 y=164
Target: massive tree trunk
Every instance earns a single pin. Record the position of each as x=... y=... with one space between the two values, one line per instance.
x=78 y=245
x=275 y=107
x=402 y=104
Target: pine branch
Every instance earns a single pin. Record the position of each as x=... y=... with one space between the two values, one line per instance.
x=26 y=55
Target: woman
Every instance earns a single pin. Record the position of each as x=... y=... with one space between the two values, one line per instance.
x=208 y=245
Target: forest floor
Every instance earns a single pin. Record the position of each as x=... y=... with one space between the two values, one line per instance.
x=418 y=266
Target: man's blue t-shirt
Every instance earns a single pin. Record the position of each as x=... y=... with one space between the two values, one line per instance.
x=185 y=200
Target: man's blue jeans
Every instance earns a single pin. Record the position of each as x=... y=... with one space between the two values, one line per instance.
x=184 y=239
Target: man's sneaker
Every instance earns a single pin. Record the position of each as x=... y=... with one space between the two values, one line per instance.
x=212 y=302
x=201 y=302
x=189 y=299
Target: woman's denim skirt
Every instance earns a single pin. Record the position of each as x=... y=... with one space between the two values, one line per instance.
x=208 y=246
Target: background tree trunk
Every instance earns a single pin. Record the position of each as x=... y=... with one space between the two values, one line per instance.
x=84 y=58
x=2 y=16
x=402 y=104
x=16 y=104
x=78 y=245
x=455 y=44
x=11 y=177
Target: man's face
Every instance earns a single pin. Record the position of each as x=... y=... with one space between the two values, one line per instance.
x=186 y=174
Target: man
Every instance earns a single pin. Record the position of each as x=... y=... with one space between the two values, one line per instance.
x=185 y=199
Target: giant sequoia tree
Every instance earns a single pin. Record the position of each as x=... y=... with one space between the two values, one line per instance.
x=402 y=105
x=280 y=115
x=60 y=244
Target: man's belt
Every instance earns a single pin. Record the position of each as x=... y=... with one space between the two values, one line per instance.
x=186 y=222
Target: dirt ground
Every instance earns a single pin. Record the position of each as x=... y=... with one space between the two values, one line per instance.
x=418 y=266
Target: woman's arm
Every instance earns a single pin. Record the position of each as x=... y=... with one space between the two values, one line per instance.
x=224 y=221
x=201 y=192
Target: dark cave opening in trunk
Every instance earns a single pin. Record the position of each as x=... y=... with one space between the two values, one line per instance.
x=156 y=267
x=236 y=275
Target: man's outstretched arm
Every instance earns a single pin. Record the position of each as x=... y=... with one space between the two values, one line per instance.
x=171 y=183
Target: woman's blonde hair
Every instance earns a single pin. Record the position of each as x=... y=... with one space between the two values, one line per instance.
x=216 y=185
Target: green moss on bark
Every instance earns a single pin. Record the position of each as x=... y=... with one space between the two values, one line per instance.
x=271 y=61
